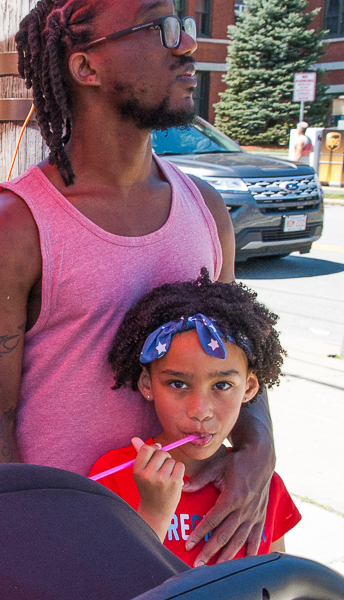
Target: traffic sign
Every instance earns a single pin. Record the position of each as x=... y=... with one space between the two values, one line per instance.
x=304 y=87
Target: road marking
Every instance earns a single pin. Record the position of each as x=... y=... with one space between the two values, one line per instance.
x=330 y=248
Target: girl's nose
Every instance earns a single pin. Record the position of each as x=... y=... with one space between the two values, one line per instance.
x=199 y=408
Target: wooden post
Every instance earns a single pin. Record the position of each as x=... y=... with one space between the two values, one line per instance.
x=15 y=99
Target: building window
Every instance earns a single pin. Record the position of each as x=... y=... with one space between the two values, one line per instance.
x=238 y=8
x=201 y=94
x=334 y=18
x=203 y=10
x=180 y=8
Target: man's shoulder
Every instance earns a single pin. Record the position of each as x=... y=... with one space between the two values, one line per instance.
x=12 y=193
x=219 y=211
x=13 y=209
x=19 y=237
x=211 y=196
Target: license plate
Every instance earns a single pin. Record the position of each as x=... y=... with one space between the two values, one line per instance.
x=295 y=223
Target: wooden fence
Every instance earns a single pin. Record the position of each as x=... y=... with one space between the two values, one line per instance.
x=15 y=99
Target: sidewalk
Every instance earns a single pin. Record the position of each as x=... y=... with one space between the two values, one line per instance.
x=308 y=415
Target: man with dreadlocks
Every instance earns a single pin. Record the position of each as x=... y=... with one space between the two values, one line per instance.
x=87 y=232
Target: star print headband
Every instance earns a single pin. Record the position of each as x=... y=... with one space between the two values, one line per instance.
x=158 y=342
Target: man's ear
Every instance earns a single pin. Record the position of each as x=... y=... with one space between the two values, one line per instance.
x=252 y=387
x=81 y=69
x=144 y=384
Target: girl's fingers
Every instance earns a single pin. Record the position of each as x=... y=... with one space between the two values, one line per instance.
x=137 y=443
x=150 y=457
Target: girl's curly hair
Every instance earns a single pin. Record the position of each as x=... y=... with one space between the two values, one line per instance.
x=234 y=308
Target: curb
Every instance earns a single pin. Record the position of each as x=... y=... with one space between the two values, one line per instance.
x=334 y=201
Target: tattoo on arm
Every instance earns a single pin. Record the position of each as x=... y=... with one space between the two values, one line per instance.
x=8 y=343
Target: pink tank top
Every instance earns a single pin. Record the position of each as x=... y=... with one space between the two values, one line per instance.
x=68 y=415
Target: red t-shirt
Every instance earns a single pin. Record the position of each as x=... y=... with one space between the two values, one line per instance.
x=281 y=516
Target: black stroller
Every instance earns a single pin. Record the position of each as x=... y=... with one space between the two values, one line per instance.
x=65 y=537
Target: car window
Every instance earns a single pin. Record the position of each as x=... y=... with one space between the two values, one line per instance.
x=199 y=138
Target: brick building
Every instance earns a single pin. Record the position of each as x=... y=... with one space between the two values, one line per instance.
x=213 y=17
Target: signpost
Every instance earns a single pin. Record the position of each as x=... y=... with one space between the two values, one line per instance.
x=304 y=89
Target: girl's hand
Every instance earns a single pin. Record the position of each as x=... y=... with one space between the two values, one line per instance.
x=159 y=480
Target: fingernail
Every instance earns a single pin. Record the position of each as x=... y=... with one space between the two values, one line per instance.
x=158 y=446
x=189 y=545
x=199 y=564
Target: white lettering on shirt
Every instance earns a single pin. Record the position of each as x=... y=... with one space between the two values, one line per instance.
x=180 y=526
x=184 y=527
x=172 y=530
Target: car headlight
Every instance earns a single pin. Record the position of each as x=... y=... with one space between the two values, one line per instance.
x=227 y=184
x=318 y=184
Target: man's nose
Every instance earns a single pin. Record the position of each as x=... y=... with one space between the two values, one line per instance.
x=187 y=45
x=199 y=407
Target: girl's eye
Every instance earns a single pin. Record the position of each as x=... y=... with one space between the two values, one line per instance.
x=178 y=385
x=222 y=385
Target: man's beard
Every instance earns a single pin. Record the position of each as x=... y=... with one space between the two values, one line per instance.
x=160 y=117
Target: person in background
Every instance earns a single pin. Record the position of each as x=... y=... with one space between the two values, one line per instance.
x=303 y=146
x=198 y=351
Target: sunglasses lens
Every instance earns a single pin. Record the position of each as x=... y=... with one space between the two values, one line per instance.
x=172 y=32
x=189 y=26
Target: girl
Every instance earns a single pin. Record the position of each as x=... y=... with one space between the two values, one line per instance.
x=200 y=351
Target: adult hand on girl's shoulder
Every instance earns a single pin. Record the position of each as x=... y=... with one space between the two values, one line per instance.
x=159 y=479
x=238 y=515
x=243 y=478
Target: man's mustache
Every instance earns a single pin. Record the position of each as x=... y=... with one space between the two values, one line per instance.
x=182 y=61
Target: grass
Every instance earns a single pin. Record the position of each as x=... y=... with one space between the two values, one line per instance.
x=261 y=150
x=323 y=506
x=334 y=195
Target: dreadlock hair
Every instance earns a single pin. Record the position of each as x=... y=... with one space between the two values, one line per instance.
x=41 y=45
x=232 y=306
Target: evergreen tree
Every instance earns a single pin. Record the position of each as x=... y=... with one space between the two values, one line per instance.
x=268 y=45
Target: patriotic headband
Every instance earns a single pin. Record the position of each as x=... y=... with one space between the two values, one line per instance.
x=158 y=342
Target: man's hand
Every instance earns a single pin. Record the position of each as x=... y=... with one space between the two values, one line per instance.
x=159 y=480
x=243 y=478
x=239 y=513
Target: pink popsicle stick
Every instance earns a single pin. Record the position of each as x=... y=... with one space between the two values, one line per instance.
x=185 y=440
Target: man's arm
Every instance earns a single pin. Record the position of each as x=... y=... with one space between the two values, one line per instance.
x=243 y=477
x=19 y=269
x=299 y=146
x=224 y=225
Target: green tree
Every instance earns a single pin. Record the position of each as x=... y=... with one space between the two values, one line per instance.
x=269 y=44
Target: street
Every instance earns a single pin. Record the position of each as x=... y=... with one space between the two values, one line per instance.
x=306 y=291
x=308 y=407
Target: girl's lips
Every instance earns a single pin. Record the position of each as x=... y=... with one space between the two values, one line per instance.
x=202 y=440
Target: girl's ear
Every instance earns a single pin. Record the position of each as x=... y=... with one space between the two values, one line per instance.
x=252 y=387
x=144 y=384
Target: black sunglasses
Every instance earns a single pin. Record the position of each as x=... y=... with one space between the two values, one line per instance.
x=170 y=26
